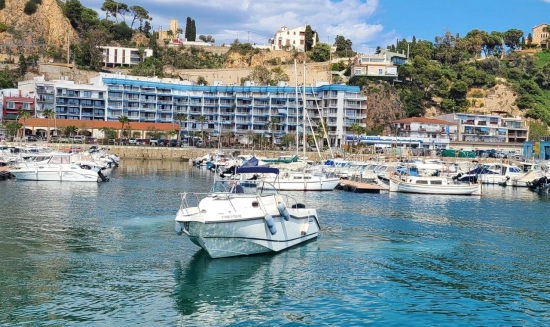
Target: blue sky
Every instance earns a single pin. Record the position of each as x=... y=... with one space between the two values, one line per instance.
x=367 y=23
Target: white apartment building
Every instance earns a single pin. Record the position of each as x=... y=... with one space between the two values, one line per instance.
x=116 y=56
x=289 y=39
x=70 y=100
x=488 y=128
x=428 y=132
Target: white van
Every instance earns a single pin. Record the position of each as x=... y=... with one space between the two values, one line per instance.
x=79 y=139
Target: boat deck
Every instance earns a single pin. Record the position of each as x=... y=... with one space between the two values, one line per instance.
x=358 y=187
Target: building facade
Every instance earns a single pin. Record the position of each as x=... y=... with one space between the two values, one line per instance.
x=382 y=65
x=540 y=36
x=487 y=128
x=116 y=56
x=237 y=109
x=71 y=101
x=432 y=133
x=291 y=39
x=13 y=105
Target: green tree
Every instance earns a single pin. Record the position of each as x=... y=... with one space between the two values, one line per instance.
x=320 y=53
x=512 y=38
x=69 y=130
x=537 y=130
x=180 y=117
x=121 y=32
x=278 y=75
x=260 y=75
x=24 y=115
x=22 y=65
x=202 y=81
x=123 y=120
x=48 y=114
x=308 y=39
x=201 y=120
x=342 y=44
x=12 y=128
x=140 y=14
x=357 y=130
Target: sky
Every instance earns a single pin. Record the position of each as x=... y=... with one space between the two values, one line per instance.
x=367 y=23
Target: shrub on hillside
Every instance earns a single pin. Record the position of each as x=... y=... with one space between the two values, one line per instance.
x=2 y=4
x=30 y=8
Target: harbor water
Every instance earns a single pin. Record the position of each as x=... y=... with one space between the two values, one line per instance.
x=106 y=255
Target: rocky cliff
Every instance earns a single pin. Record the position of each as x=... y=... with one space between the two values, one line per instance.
x=383 y=107
x=28 y=33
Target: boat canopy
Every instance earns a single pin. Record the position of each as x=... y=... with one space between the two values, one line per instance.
x=257 y=170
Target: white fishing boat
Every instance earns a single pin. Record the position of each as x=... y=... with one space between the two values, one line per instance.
x=300 y=181
x=57 y=168
x=431 y=185
x=236 y=219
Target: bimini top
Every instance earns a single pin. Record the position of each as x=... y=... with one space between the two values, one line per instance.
x=257 y=170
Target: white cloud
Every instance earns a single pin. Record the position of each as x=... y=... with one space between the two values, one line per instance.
x=258 y=20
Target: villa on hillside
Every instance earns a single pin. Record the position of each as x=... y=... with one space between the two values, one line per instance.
x=382 y=65
x=288 y=39
x=540 y=36
x=116 y=56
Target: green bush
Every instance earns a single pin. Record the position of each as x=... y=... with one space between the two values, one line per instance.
x=2 y=4
x=3 y=27
x=30 y=8
x=477 y=94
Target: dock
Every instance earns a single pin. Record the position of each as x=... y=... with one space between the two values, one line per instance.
x=358 y=187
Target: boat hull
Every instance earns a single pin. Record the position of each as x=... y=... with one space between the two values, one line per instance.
x=320 y=185
x=55 y=175
x=454 y=189
x=237 y=237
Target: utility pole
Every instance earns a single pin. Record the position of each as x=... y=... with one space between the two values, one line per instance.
x=248 y=40
x=68 y=49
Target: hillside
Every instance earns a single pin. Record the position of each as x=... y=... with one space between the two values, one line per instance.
x=32 y=34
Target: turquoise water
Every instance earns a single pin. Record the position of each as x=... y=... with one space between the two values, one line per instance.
x=106 y=254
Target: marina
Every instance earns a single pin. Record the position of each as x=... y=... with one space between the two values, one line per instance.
x=107 y=254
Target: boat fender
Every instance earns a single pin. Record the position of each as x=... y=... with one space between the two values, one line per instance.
x=283 y=211
x=270 y=224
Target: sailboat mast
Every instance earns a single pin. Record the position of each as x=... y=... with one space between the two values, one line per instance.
x=304 y=112
x=296 y=100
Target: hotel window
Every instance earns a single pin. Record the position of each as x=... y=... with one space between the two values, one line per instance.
x=87 y=94
x=380 y=71
x=26 y=106
x=11 y=105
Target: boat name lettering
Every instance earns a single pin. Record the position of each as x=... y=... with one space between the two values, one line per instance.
x=233 y=216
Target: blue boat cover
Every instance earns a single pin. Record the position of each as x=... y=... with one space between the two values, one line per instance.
x=252 y=162
x=257 y=170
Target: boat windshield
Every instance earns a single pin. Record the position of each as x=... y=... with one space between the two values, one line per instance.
x=234 y=186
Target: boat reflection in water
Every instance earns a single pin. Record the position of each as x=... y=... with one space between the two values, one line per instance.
x=204 y=284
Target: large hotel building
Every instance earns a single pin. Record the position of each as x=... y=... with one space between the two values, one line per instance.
x=237 y=109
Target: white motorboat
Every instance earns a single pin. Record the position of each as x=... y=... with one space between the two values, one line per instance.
x=57 y=168
x=432 y=185
x=300 y=181
x=237 y=218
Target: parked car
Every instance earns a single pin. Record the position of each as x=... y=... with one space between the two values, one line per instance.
x=153 y=142
x=132 y=142
x=173 y=143
x=140 y=141
x=30 y=138
x=78 y=139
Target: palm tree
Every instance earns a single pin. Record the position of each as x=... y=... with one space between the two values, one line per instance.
x=180 y=117
x=201 y=120
x=272 y=126
x=123 y=120
x=24 y=115
x=49 y=114
x=357 y=129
